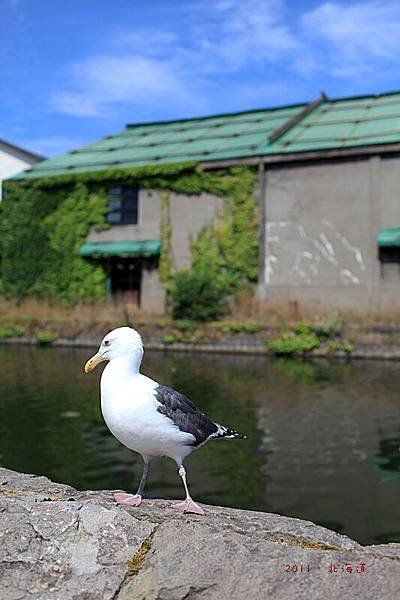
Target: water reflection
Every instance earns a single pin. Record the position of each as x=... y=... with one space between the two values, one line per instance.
x=323 y=438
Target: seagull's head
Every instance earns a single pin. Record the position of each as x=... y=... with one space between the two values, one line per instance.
x=123 y=342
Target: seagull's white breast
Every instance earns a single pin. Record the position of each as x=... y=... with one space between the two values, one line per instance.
x=129 y=408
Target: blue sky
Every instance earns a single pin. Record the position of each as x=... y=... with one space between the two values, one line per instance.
x=72 y=72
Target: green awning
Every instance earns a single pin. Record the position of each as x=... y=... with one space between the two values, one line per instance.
x=389 y=237
x=123 y=248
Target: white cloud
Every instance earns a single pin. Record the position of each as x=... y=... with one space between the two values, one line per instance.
x=177 y=68
x=218 y=48
x=356 y=37
x=102 y=81
x=238 y=33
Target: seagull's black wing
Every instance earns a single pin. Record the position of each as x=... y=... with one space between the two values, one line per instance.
x=188 y=418
x=184 y=414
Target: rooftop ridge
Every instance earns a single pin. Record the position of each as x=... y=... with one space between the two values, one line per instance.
x=308 y=108
x=364 y=96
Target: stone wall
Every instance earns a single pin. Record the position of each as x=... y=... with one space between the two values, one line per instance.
x=58 y=543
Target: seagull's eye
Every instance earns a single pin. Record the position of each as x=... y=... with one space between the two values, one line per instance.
x=107 y=342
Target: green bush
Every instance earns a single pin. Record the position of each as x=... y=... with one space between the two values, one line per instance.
x=197 y=296
x=293 y=344
x=45 y=338
x=11 y=331
x=324 y=329
x=340 y=346
x=303 y=328
x=185 y=325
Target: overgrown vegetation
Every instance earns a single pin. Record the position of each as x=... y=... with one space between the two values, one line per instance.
x=340 y=346
x=305 y=337
x=293 y=343
x=224 y=255
x=45 y=338
x=10 y=331
x=44 y=221
x=41 y=234
x=198 y=296
x=237 y=327
x=166 y=262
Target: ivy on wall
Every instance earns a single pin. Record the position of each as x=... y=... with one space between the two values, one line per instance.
x=166 y=262
x=41 y=233
x=229 y=245
x=44 y=221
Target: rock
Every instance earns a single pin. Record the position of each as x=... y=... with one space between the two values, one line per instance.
x=58 y=543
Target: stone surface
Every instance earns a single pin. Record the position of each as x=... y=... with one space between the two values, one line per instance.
x=58 y=543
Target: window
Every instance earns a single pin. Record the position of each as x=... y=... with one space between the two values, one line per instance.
x=123 y=205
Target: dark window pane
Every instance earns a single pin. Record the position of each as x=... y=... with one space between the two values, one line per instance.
x=114 y=217
x=116 y=191
x=123 y=202
x=115 y=203
x=129 y=203
x=129 y=216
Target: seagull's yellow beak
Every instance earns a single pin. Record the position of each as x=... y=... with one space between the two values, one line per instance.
x=93 y=362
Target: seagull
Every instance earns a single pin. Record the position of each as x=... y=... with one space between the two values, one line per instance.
x=148 y=417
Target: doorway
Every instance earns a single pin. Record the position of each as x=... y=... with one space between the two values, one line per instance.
x=125 y=279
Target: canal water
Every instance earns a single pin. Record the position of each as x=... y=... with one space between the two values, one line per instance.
x=322 y=438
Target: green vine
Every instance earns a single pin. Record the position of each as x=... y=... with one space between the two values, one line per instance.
x=44 y=221
x=229 y=246
x=166 y=262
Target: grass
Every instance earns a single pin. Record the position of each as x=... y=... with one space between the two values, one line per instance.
x=290 y=327
x=32 y=316
x=278 y=313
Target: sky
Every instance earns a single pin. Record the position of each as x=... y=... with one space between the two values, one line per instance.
x=74 y=71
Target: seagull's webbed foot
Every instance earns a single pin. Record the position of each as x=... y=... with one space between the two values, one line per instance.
x=127 y=499
x=188 y=506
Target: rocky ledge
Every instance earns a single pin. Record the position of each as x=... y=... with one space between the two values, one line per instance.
x=59 y=543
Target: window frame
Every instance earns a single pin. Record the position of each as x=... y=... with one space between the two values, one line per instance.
x=123 y=194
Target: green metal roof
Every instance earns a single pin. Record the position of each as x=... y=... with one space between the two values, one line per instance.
x=344 y=123
x=389 y=237
x=213 y=138
x=123 y=248
x=320 y=125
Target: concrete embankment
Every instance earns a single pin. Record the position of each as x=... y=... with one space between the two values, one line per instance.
x=370 y=351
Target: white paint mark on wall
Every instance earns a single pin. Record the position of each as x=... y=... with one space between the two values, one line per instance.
x=307 y=262
x=348 y=277
x=345 y=242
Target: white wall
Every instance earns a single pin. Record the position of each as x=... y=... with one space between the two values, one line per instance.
x=11 y=164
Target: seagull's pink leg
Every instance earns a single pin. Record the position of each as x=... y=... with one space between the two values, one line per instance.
x=134 y=499
x=188 y=505
x=127 y=499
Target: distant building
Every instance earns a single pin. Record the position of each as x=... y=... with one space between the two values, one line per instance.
x=328 y=196
x=14 y=159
